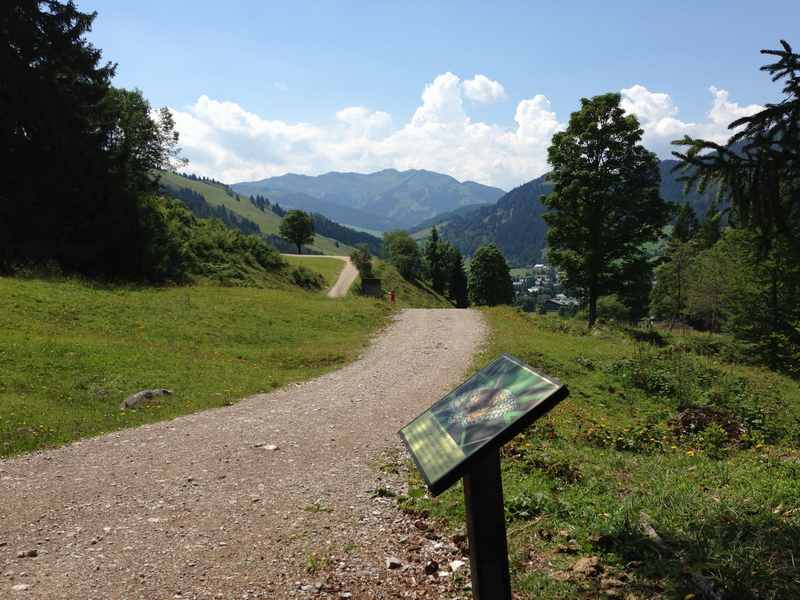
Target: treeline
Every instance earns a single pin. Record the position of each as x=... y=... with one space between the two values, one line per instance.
x=211 y=181
x=81 y=160
x=743 y=278
x=324 y=226
x=441 y=264
x=261 y=203
x=197 y=203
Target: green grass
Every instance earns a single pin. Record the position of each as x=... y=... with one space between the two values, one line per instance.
x=71 y=351
x=408 y=295
x=329 y=268
x=578 y=482
x=268 y=221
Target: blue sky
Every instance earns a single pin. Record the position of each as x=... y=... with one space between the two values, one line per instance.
x=257 y=86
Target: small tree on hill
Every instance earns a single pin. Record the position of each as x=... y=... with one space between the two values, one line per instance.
x=402 y=252
x=605 y=203
x=489 y=278
x=456 y=276
x=297 y=227
x=434 y=258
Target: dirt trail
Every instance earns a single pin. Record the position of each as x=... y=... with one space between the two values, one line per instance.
x=201 y=507
x=346 y=278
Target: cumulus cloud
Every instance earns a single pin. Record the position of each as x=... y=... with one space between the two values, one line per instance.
x=484 y=90
x=225 y=141
x=658 y=115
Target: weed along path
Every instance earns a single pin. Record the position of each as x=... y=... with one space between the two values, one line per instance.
x=281 y=495
x=346 y=276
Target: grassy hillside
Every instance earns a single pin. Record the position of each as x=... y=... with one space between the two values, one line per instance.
x=72 y=351
x=408 y=295
x=268 y=221
x=702 y=452
x=329 y=268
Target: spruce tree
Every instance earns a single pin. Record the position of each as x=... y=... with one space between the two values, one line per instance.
x=434 y=259
x=685 y=223
x=456 y=276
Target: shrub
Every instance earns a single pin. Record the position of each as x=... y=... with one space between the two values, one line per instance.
x=179 y=247
x=611 y=308
x=362 y=260
x=306 y=278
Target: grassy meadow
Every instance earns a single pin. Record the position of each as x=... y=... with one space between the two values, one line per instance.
x=71 y=351
x=408 y=294
x=329 y=268
x=672 y=473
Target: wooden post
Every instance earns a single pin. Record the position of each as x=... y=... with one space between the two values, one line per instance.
x=486 y=528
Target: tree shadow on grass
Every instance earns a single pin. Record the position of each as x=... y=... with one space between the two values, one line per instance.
x=732 y=557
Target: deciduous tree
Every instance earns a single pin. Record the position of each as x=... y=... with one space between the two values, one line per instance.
x=297 y=227
x=489 y=278
x=605 y=204
x=402 y=252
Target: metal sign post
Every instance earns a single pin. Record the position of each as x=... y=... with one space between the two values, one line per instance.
x=486 y=530
x=461 y=436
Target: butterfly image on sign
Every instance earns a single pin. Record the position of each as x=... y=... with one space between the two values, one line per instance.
x=483 y=413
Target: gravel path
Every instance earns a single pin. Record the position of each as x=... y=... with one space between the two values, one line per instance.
x=203 y=507
x=346 y=277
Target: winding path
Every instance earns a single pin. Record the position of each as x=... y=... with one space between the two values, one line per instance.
x=346 y=277
x=203 y=507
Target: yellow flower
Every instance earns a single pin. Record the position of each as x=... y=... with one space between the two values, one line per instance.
x=690 y=452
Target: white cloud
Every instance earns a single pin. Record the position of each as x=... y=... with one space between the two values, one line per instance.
x=658 y=116
x=363 y=122
x=483 y=90
x=225 y=141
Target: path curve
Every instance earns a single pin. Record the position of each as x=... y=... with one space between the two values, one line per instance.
x=346 y=277
x=200 y=507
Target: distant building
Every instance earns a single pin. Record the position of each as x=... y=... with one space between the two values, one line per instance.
x=558 y=302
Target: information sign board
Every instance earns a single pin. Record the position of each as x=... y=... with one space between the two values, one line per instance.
x=479 y=416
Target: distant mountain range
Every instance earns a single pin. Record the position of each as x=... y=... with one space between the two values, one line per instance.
x=384 y=200
x=515 y=222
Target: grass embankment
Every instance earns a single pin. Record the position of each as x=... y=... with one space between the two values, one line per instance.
x=70 y=351
x=268 y=221
x=407 y=294
x=651 y=439
x=329 y=268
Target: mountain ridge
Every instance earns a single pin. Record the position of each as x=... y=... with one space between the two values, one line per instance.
x=515 y=221
x=385 y=199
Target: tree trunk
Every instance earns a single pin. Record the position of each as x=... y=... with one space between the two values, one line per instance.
x=774 y=313
x=592 y=301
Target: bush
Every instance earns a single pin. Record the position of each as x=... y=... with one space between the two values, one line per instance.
x=611 y=308
x=362 y=260
x=179 y=247
x=306 y=278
